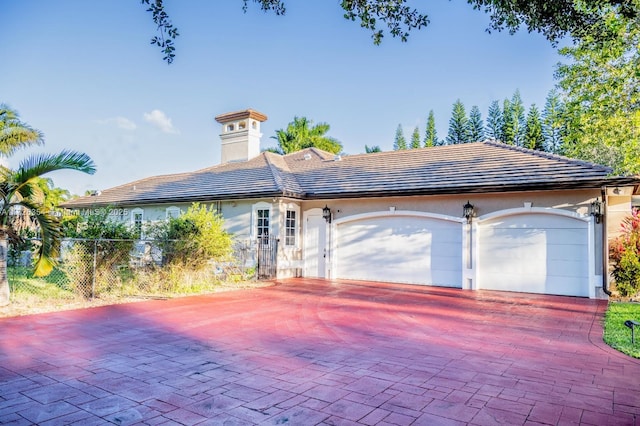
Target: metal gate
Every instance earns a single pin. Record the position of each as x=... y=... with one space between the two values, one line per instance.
x=267 y=256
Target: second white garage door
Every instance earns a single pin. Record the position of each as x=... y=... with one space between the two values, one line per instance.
x=402 y=249
x=534 y=253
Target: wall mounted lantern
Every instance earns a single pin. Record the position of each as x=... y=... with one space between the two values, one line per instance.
x=596 y=210
x=467 y=211
x=326 y=213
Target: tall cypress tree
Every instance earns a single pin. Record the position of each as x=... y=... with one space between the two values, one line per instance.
x=533 y=133
x=552 y=124
x=415 y=138
x=519 y=119
x=476 y=125
x=507 y=123
x=431 y=136
x=493 y=129
x=458 y=125
x=400 y=142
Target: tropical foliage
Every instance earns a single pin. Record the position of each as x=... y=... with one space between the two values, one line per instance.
x=301 y=133
x=624 y=253
x=21 y=189
x=15 y=134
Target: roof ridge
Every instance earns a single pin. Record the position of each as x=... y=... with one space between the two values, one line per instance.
x=545 y=154
x=275 y=172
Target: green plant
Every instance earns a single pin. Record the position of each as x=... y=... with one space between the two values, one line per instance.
x=624 y=253
x=193 y=239
x=616 y=334
x=99 y=260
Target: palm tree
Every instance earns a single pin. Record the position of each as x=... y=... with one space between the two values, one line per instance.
x=301 y=133
x=14 y=134
x=22 y=189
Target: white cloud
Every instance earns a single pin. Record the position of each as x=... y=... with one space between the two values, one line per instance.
x=160 y=120
x=120 y=122
x=125 y=123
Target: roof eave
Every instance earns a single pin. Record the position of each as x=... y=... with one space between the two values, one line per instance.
x=535 y=186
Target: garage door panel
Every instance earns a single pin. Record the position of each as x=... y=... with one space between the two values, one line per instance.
x=537 y=253
x=405 y=249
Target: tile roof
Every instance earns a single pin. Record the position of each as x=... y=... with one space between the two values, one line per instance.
x=314 y=174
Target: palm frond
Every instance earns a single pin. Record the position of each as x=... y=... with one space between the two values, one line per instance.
x=14 y=134
x=40 y=164
x=51 y=235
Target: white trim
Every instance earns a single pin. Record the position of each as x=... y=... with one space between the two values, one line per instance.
x=261 y=205
x=132 y=221
x=295 y=208
x=410 y=213
x=594 y=280
x=531 y=210
x=329 y=243
x=169 y=210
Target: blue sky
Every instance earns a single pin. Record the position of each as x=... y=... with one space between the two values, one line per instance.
x=85 y=74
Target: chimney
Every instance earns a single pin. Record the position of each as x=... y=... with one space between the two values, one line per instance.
x=240 y=137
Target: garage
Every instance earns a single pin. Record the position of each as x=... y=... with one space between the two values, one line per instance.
x=534 y=253
x=403 y=247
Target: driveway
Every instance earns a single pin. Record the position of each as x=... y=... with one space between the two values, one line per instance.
x=316 y=352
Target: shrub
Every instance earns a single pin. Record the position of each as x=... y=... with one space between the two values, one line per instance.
x=93 y=264
x=624 y=253
x=193 y=239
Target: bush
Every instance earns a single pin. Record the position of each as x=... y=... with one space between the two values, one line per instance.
x=624 y=253
x=193 y=239
x=93 y=264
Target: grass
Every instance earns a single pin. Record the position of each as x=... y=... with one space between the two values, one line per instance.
x=616 y=334
x=57 y=291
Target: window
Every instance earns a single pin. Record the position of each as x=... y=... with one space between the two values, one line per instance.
x=290 y=228
x=230 y=128
x=262 y=223
x=137 y=216
x=173 y=212
x=242 y=125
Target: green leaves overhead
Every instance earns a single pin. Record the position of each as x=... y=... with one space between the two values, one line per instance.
x=554 y=19
x=601 y=85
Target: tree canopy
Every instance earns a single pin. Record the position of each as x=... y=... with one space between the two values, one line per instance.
x=601 y=87
x=301 y=133
x=554 y=19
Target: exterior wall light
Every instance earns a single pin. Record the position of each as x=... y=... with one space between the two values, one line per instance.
x=326 y=213
x=596 y=210
x=468 y=211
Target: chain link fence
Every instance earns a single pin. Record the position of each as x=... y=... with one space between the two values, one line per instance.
x=120 y=269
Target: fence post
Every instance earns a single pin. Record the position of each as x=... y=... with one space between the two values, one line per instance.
x=93 y=275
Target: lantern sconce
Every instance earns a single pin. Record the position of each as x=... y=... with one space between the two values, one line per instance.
x=468 y=211
x=596 y=210
x=326 y=213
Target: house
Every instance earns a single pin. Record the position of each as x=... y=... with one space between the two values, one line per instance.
x=482 y=215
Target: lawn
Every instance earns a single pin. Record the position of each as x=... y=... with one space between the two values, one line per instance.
x=616 y=334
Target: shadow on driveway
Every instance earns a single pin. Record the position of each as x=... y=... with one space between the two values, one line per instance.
x=320 y=352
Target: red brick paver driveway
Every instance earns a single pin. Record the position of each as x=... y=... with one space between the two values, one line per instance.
x=315 y=352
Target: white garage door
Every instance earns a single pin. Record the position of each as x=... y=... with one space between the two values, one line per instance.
x=534 y=253
x=403 y=249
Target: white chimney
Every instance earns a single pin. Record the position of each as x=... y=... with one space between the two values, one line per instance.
x=240 y=137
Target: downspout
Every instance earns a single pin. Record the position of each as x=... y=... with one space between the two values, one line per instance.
x=605 y=244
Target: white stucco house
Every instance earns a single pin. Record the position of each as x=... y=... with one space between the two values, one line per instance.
x=482 y=215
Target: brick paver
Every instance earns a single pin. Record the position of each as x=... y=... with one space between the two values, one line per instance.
x=319 y=352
